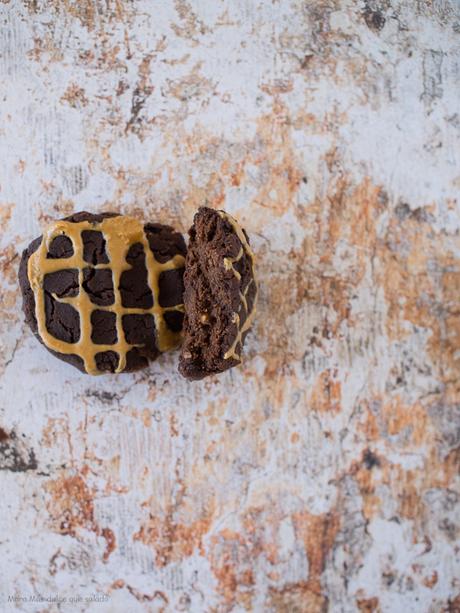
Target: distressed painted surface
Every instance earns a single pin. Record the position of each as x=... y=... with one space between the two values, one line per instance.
x=324 y=473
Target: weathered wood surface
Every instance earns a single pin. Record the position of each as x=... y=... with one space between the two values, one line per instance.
x=324 y=473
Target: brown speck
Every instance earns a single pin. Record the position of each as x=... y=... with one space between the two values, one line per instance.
x=171 y=541
x=431 y=581
x=368 y=605
x=173 y=425
x=141 y=597
x=190 y=27
x=20 y=167
x=14 y=454
x=453 y=605
x=374 y=19
x=140 y=94
x=326 y=393
x=370 y=459
x=52 y=567
x=146 y=418
x=121 y=88
x=74 y=96
x=306 y=61
x=191 y=86
x=109 y=536
x=278 y=86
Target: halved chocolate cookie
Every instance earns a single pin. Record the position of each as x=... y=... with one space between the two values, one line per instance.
x=105 y=292
x=220 y=294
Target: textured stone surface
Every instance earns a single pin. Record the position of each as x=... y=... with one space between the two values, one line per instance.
x=324 y=473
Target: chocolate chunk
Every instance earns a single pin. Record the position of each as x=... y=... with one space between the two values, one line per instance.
x=61 y=247
x=98 y=284
x=141 y=330
x=63 y=283
x=134 y=289
x=164 y=241
x=94 y=247
x=138 y=328
x=104 y=327
x=174 y=320
x=171 y=285
x=137 y=358
x=107 y=361
x=62 y=320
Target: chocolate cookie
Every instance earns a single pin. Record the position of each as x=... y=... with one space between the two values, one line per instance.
x=105 y=292
x=220 y=294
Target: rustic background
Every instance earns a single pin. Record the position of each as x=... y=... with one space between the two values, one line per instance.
x=322 y=475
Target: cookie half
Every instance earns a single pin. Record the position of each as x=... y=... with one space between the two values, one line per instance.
x=220 y=294
x=105 y=292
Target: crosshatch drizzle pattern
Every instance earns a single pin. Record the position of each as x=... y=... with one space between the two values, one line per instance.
x=120 y=233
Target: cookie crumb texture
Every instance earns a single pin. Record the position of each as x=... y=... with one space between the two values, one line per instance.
x=220 y=295
x=105 y=292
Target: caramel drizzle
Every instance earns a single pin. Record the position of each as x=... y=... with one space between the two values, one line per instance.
x=120 y=233
x=232 y=353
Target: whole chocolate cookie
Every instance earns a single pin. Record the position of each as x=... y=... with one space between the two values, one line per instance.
x=105 y=292
x=220 y=294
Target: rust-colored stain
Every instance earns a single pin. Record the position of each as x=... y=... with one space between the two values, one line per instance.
x=173 y=425
x=172 y=541
x=85 y=11
x=71 y=505
x=431 y=580
x=326 y=393
x=74 y=96
x=368 y=605
x=410 y=424
x=297 y=597
x=318 y=533
x=71 y=508
x=6 y=210
x=420 y=281
x=232 y=568
x=159 y=599
x=236 y=555
x=109 y=537
x=453 y=605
